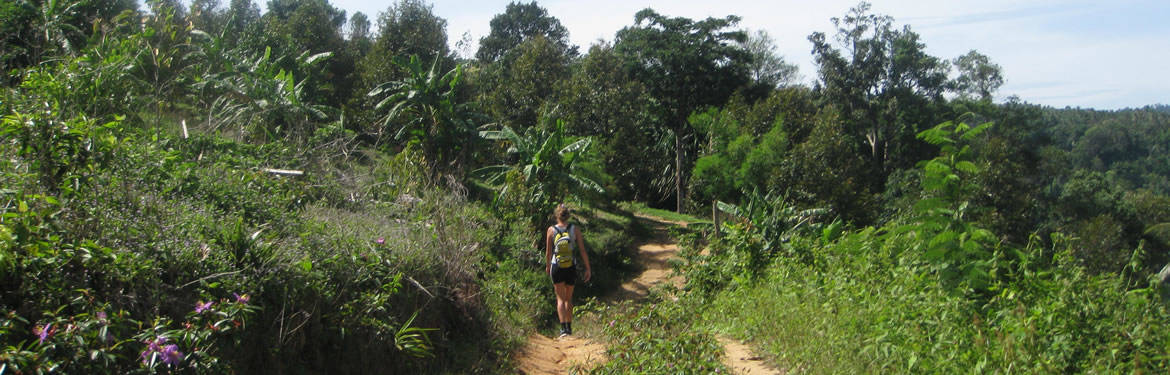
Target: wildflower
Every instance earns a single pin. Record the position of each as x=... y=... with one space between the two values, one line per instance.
x=171 y=355
x=242 y=298
x=153 y=347
x=101 y=316
x=611 y=322
x=43 y=332
x=200 y=306
x=380 y=241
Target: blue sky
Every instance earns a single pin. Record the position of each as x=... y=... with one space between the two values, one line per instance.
x=1091 y=54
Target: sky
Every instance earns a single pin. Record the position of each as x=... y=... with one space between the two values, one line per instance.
x=1068 y=53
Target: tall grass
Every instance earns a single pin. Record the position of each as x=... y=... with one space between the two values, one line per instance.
x=867 y=306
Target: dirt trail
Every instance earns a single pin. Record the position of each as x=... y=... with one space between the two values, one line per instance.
x=741 y=360
x=543 y=355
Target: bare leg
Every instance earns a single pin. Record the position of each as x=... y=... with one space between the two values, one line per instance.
x=564 y=295
x=568 y=304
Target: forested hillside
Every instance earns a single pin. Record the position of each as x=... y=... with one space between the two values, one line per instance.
x=205 y=188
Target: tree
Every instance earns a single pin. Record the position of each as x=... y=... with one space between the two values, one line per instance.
x=406 y=28
x=884 y=85
x=767 y=68
x=524 y=85
x=522 y=61
x=686 y=65
x=978 y=76
x=359 y=27
x=519 y=23
x=601 y=100
x=294 y=27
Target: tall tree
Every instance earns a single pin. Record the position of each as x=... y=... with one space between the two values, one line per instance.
x=527 y=82
x=686 y=65
x=295 y=27
x=768 y=69
x=519 y=23
x=524 y=57
x=359 y=27
x=978 y=76
x=406 y=28
x=601 y=100
x=883 y=83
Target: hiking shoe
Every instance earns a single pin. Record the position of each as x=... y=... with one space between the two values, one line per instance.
x=564 y=333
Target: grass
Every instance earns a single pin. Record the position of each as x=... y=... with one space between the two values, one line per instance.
x=641 y=208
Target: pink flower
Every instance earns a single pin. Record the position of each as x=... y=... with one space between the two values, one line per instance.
x=200 y=306
x=152 y=347
x=171 y=354
x=380 y=241
x=43 y=332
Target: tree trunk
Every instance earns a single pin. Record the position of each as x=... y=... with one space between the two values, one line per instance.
x=678 y=193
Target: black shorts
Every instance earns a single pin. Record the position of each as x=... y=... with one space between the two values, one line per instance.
x=564 y=275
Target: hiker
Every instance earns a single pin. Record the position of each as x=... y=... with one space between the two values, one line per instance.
x=560 y=240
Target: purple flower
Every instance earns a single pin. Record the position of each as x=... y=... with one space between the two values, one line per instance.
x=171 y=355
x=380 y=241
x=200 y=306
x=153 y=347
x=101 y=315
x=242 y=298
x=43 y=332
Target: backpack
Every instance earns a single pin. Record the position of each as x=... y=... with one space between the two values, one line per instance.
x=563 y=246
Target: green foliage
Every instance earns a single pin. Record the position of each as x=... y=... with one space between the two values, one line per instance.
x=62 y=151
x=767 y=223
x=826 y=170
x=262 y=100
x=520 y=23
x=601 y=100
x=978 y=76
x=882 y=82
x=424 y=109
x=768 y=69
x=548 y=166
x=712 y=179
x=406 y=28
x=685 y=65
x=519 y=89
x=869 y=297
x=656 y=339
x=944 y=233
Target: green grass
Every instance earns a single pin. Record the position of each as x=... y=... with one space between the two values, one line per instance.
x=878 y=302
x=641 y=208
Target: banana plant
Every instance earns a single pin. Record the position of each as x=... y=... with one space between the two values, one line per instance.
x=259 y=95
x=425 y=109
x=548 y=161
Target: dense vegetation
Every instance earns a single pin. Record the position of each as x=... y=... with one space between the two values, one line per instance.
x=210 y=189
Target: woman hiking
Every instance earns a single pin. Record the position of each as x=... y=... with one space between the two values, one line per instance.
x=560 y=240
